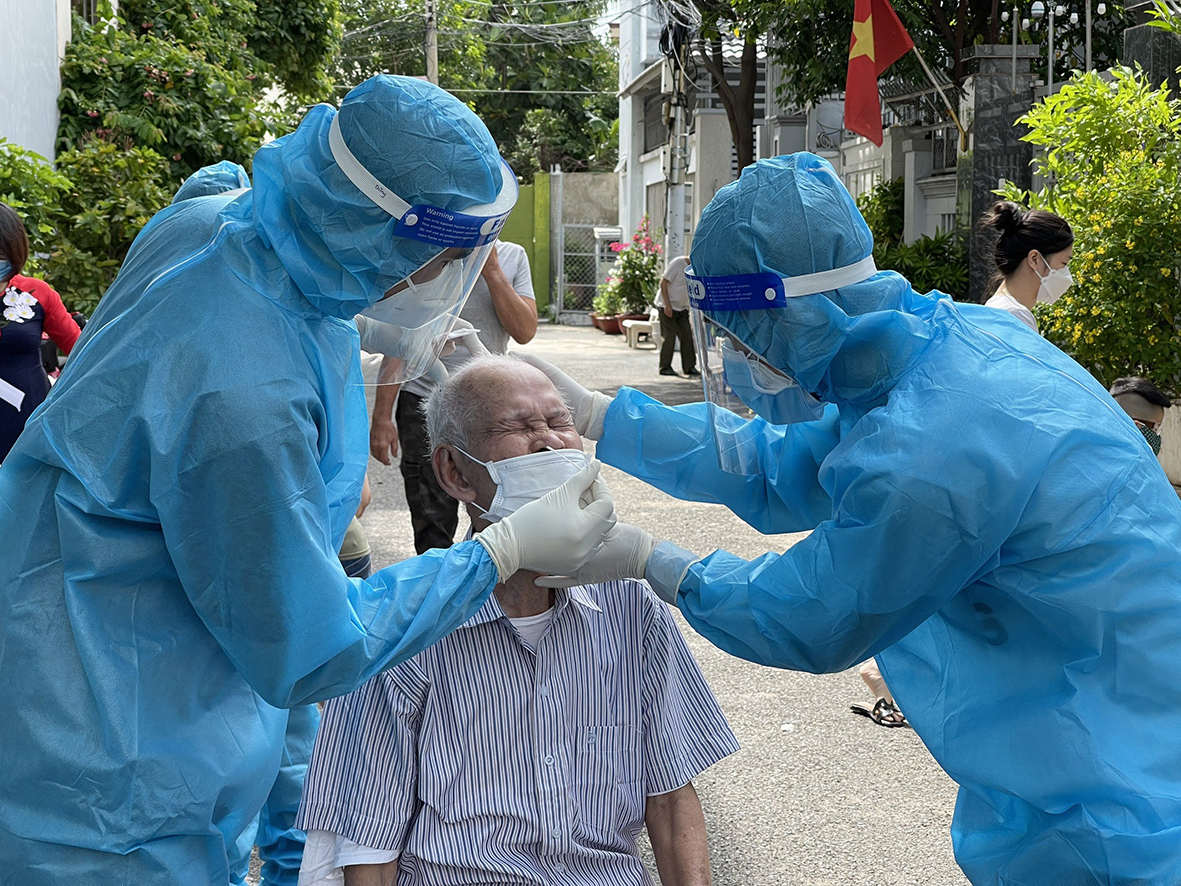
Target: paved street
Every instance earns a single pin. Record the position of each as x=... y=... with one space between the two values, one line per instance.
x=817 y=796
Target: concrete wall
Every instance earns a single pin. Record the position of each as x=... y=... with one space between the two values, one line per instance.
x=590 y=198
x=36 y=33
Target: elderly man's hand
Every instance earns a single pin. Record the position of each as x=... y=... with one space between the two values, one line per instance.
x=556 y=534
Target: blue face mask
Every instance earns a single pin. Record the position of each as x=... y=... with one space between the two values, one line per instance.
x=770 y=395
x=5 y=269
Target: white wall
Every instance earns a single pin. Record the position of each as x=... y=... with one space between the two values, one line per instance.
x=1170 y=451
x=35 y=33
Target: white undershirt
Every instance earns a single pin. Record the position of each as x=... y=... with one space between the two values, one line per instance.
x=325 y=855
x=531 y=627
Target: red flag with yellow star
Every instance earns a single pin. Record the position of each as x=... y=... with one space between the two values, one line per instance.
x=879 y=40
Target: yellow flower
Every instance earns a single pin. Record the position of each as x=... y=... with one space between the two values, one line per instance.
x=1128 y=244
x=1139 y=220
x=1132 y=268
x=1152 y=339
x=1096 y=228
x=1102 y=250
x=1109 y=224
x=1095 y=311
x=1166 y=271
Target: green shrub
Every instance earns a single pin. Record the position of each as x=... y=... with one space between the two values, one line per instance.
x=114 y=192
x=882 y=207
x=30 y=186
x=1113 y=154
x=156 y=93
x=939 y=262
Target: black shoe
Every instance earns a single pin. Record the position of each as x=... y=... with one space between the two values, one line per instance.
x=692 y=373
x=668 y=372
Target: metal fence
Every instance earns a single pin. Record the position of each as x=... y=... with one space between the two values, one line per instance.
x=576 y=283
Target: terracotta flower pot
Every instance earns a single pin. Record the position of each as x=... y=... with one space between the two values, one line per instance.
x=610 y=325
x=595 y=320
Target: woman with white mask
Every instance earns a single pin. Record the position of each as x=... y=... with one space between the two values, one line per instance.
x=1032 y=256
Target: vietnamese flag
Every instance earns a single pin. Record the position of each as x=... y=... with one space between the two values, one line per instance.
x=878 y=41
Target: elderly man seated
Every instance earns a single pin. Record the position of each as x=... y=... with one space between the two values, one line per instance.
x=532 y=744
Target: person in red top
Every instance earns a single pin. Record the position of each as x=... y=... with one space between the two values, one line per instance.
x=28 y=306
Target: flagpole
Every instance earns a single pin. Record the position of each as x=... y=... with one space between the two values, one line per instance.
x=942 y=95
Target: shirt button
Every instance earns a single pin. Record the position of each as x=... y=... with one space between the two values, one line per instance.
x=549 y=760
x=544 y=690
x=560 y=868
x=556 y=832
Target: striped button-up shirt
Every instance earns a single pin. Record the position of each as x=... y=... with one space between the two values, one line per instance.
x=482 y=760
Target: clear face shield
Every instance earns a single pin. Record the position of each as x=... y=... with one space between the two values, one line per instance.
x=412 y=323
x=739 y=384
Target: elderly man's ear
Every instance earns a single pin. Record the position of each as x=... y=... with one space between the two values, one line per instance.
x=444 y=461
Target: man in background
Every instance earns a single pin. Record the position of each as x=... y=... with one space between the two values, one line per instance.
x=673 y=302
x=501 y=306
x=1145 y=404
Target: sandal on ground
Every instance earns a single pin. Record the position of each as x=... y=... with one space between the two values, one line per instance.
x=884 y=713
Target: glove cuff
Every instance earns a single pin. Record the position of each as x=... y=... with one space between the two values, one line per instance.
x=500 y=542
x=596 y=414
x=666 y=570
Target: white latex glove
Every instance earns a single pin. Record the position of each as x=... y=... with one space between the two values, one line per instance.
x=590 y=407
x=624 y=554
x=558 y=532
x=469 y=339
x=380 y=338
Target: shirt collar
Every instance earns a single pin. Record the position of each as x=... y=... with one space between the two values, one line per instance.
x=491 y=610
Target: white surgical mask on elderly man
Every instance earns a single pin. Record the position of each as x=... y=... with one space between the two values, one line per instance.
x=525 y=478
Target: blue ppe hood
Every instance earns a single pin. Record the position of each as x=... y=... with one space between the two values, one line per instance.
x=219 y=178
x=338 y=246
x=791 y=216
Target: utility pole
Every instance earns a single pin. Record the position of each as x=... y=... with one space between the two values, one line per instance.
x=432 y=43
x=678 y=157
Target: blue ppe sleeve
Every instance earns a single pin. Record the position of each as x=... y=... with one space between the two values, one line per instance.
x=672 y=448
x=245 y=515
x=901 y=542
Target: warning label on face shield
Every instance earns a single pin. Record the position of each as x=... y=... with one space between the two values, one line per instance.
x=430 y=224
x=740 y=292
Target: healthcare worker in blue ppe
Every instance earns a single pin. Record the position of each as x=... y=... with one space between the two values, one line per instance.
x=172 y=513
x=280 y=843
x=984 y=520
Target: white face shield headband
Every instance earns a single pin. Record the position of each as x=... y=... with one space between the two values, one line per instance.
x=739 y=384
x=421 y=309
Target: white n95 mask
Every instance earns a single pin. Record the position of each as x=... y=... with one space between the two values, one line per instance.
x=1054 y=284
x=527 y=478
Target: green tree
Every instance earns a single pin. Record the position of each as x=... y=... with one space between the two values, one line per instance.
x=188 y=78
x=535 y=72
x=1112 y=153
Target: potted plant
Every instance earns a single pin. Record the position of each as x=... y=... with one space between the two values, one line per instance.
x=607 y=305
x=637 y=272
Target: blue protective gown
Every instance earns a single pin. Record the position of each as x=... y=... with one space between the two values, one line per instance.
x=990 y=525
x=171 y=518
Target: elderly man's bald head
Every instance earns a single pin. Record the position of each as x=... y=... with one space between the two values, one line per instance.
x=493 y=395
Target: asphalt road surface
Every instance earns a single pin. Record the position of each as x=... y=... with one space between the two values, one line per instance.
x=817 y=796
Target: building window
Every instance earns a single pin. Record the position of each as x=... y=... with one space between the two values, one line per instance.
x=655 y=129
x=946 y=222
x=87 y=9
